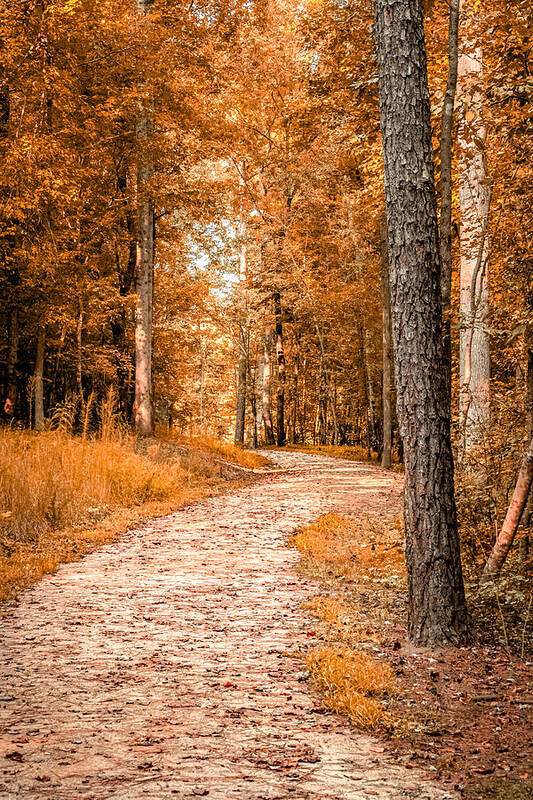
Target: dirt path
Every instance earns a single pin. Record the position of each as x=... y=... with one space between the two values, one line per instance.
x=154 y=668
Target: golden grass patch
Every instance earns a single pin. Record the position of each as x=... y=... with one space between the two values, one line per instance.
x=218 y=449
x=354 y=684
x=62 y=496
x=329 y=609
x=351 y=545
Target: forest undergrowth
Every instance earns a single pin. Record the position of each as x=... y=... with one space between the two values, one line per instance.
x=63 y=496
x=464 y=715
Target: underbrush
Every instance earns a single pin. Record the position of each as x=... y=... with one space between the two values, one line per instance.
x=333 y=543
x=354 y=684
x=62 y=496
x=348 y=677
x=455 y=712
x=218 y=449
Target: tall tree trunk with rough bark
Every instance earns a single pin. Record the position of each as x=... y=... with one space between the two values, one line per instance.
x=437 y=609
x=38 y=387
x=242 y=368
x=386 y=455
x=445 y=228
x=267 y=375
x=144 y=272
x=474 y=201
x=258 y=389
x=280 y=357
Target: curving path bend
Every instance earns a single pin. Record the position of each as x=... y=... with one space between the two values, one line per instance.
x=154 y=669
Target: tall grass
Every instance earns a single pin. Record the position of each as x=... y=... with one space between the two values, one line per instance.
x=52 y=480
x=62 y=496
x=219 y=449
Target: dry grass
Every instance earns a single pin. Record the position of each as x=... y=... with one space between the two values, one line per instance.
x=348 y=545
x=63 y=496
x=354 y=684
x=361 y=561
x=328 y=609
x=226 y=451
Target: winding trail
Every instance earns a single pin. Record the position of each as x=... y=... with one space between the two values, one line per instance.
x=154 y=668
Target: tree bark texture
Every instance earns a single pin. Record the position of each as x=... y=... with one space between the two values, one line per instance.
x=445 y=231
x=242 y=368
x=280 y=357
x=437 y=609
x=508 y=530
x=267 y=375
x=474 y=202
x=144 y=271
x=38 y=374
x=259 y=397
x=386 y=455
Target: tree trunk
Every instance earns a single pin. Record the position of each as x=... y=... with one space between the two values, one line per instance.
x=280 y=355
x=296 y=387
x=267 y=374
x=10 y=400
x=445 y=234
x=386 y=455
x=437 y=609
x=144 y=271
x=512 y=518
x=527 y=514
x=203 y=370
x=79 y=354
x=371 y=420
x=242 y=369
x=258 y=389
x=38 y=379
x=474 y=201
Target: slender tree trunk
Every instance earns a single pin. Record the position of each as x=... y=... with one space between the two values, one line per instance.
x=242 y=369
x=280 y=355
x=512 y=518
x=144 y=271
x=386 y=456
x=303 y=416
x=294 y=417
x=203 y=370
x=333 y=406
x=10 y=401
x=445 y=233
x=437 y=609
x=38 y=387
x=323 y=387
x=527 y=514
x=258 y=389
x=252 y=381
x=371 y=418
x=295 y=393
x=474 y=201
x=267 y=375
x=79 y=354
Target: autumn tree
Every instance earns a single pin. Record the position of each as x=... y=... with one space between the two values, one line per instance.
x=437 y=611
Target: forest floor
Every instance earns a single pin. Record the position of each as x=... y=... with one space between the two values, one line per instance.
x=171 y=663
